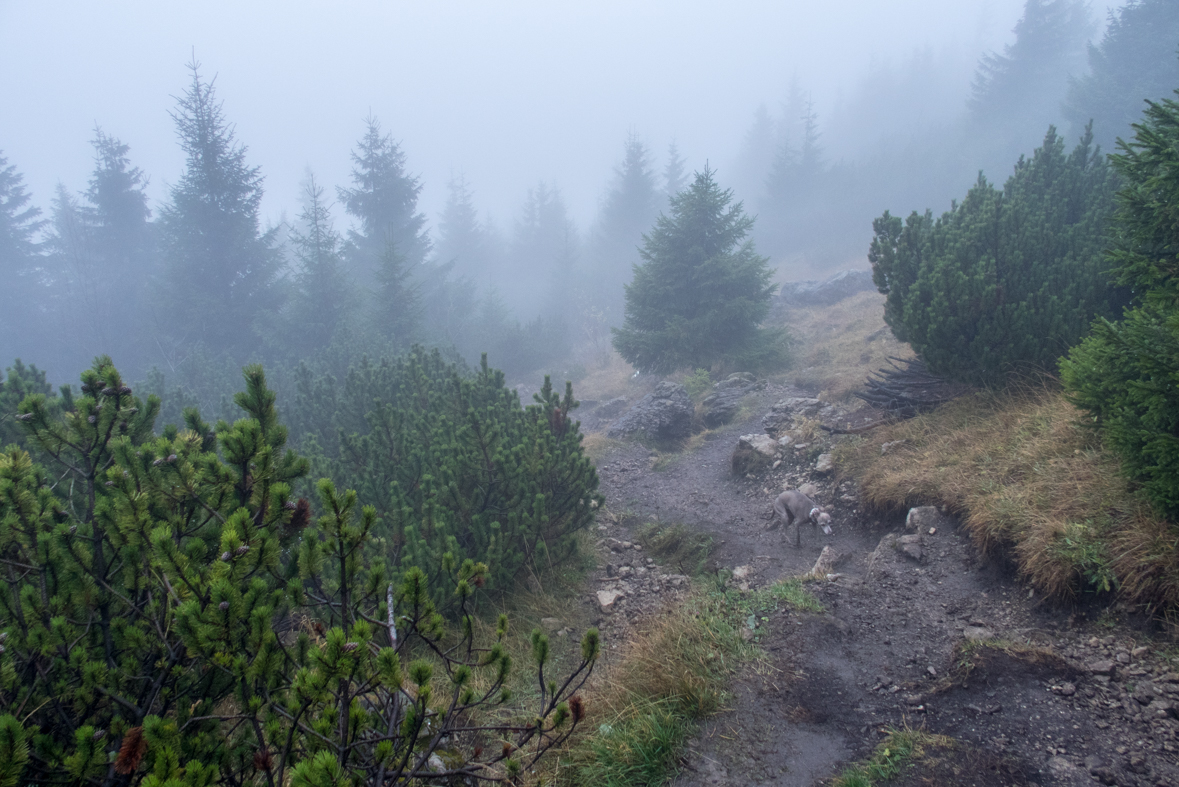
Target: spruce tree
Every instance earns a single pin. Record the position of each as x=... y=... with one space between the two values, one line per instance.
x=701 y=291
x=19 y=262
x=630 y=206
x=383 y=199
x=221 y=270
x=1016 y=94
x=544 y=249
x=674 y=172
x=323 y=293
x=123 y=239
x=1126 y=373
x=1008 y=279
x=1135 y=61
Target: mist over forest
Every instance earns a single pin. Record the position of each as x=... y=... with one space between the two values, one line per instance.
x=185 y=272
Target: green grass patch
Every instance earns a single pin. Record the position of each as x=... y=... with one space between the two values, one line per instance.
x=676 y=546
x=895 y=753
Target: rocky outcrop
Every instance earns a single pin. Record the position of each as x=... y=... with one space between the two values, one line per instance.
x=783 y=414
x=725 y=400
x=665 y=414
x=824 y=293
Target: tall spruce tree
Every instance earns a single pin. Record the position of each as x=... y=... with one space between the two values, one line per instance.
x=122 y=239
x=1135 y=61
x=1008 y=279
x=323 y=293
x=544 y=249
x=1126 y=373
x=221 y=270
x=383 y=199
x=701 y=291
x=630 y=206
x=675 y=174
x=1017 y=93
x=19 y=262
x=462 y=238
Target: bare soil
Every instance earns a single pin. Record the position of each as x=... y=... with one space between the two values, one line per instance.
x=1036 y=706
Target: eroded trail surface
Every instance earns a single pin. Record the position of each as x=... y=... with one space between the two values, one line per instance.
x=1064 y=700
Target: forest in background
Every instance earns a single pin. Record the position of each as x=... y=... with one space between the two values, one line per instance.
x=182 y=294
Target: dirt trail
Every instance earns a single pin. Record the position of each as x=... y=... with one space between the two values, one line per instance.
x=881 y=655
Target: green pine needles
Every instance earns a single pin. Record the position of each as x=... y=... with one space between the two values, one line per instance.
x=454 y=464
x=1126 y=373
x=701 y=291
x=1009 y=279
x=170 y=615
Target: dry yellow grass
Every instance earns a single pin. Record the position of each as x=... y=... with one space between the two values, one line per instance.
x=837 y=346
x=1027 y=477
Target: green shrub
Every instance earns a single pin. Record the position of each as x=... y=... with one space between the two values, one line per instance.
x=171 y=615
x=454 y=464
x=1006 y=279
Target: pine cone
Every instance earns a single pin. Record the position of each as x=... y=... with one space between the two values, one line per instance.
x=223 y=606
x=225 y=556
x=243 y=549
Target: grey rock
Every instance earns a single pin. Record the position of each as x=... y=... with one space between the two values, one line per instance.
x=1060 y=768
x=725 y=400
x=1102 y=667
x=910 y=545
x=753 y=452
x=782 y=415
x=608 y=598
x=665 y=413
x=824 y=464
x=551 y=624
x=921 y=518
x=977 y=633
x=824 y=293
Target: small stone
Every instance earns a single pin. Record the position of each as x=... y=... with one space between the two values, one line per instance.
x=1061 y=769
x=741 y=572
x=1123 y=657
x=551 y=624
x=1103 y=667
x=746 y=634
x=607 y=599
x=932 y=671
x=1139 y=652
x=933 y=531
x=922 y=518
x=911 y=546
x=435 y=764
x=1065 y=689
x=977 y=633
x=824 y=464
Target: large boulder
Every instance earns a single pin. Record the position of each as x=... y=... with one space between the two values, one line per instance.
x=665 y=413
x=824 y=293
x=725 y=400
x=754 y=452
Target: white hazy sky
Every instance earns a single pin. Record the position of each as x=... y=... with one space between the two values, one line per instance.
x=507 y=93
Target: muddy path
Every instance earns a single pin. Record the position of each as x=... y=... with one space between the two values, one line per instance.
x=1066 y=701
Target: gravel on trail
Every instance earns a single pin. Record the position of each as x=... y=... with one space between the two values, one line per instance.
x=1056 y=698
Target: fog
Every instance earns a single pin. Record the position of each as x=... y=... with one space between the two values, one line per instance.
x=505 y=93
x=819 y=116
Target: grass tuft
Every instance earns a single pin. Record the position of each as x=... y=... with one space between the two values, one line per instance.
x=1031 y=481
x=897 y=751
x=671 y=676
x=676 y=545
